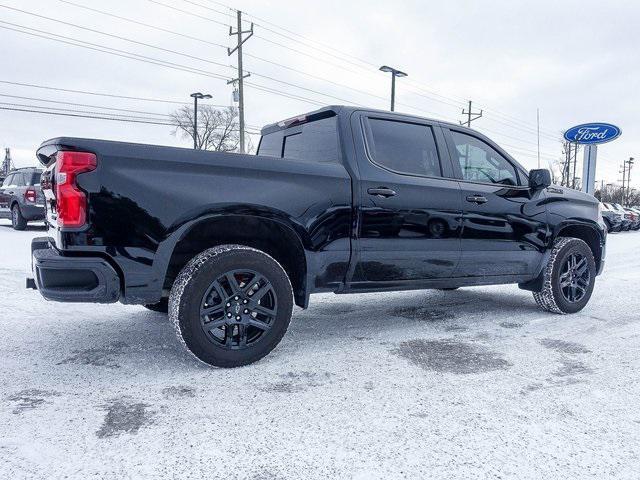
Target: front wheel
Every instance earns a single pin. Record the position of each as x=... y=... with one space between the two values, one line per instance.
x=231 y=305
x=568 y=278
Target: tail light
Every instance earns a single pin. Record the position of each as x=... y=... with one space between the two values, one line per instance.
x=71 y=202
x=30 y=195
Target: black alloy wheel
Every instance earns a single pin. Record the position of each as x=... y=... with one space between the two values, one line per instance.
x=231 y=305
x=238 y=309
x=575 y=278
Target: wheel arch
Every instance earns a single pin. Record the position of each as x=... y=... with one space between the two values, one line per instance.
x=586 y=232
x=270 y=235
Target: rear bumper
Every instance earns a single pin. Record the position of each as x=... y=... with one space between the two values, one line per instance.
x=71 y=279
x=32 y=212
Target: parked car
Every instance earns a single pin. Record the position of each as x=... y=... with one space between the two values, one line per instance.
x=634 y=217
x=636 y=210
x=611 y=217
x=21 y=198
x=341 y=200
x=626 y=220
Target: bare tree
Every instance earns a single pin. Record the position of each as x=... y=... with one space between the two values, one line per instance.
x=611 y=193
x=217 y=128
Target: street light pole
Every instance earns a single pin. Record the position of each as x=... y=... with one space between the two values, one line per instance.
x=195 y=97
x=394 y=73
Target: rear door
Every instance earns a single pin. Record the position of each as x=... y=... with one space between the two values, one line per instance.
x=504 y=223
x=409 y=213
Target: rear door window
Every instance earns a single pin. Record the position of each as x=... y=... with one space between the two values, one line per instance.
x=19 y=180
x=403 y=147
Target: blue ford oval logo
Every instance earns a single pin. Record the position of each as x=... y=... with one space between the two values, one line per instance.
x=592 y=133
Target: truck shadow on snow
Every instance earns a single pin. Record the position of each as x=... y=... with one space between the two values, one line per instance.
x=364 y=318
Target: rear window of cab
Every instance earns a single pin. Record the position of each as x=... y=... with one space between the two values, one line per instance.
x=314 y=142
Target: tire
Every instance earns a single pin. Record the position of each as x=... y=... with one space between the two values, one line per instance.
x=227 y=325
x=18 y=222
x=559 y=278
x=161 y=307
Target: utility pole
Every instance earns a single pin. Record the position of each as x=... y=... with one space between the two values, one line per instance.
x=6 y=164
x=471 y=115
x=624 y=178
x=195 y=97
x=630 y=165
x=241 y=76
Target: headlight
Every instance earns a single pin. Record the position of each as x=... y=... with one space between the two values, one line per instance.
x=599 y=209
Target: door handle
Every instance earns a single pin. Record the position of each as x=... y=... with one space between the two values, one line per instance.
x=479 y=199
x=382 y=192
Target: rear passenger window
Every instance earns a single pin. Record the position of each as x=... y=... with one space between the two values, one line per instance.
x=315 y=142
x=18 y=180
x=403 y=147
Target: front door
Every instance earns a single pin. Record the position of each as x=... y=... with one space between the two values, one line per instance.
x=504 y=223
x=409 y=213
x=5 y=197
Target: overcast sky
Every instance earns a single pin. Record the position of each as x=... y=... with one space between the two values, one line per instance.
x=577 y=61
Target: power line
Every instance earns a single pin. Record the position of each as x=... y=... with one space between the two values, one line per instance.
x=84 y=105
x=101 y=94
x=188 y=69
x=167 y=50
x=150 y=60
x=299 y=36
x=96 y=116
x=89 y=114
x=528 y=130
x=193 y=57
x=136 y=22
x=79 y=111
x=189 y=13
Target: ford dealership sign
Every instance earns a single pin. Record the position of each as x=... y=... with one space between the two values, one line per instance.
x=592 y=133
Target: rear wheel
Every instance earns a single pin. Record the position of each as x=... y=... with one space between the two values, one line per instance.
x=18 y=222
x=569 y=277
x=231 y=305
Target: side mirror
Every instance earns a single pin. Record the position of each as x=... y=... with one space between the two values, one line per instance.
x=539 y=179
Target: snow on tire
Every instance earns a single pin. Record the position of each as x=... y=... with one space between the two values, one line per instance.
x=261 y=302
x=551 y=297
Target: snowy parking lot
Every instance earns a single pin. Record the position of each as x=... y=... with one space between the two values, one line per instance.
x=474 y=383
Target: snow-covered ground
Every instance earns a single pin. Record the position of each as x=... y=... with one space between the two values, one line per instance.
x=476 y=383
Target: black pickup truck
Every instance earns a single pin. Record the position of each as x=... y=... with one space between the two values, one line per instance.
x=340 y=200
